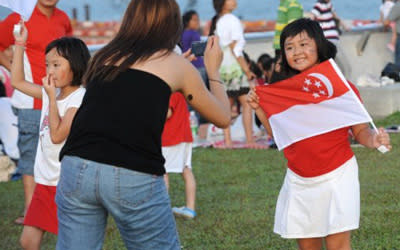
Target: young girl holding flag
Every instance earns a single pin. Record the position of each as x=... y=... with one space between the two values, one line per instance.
x=319 y=200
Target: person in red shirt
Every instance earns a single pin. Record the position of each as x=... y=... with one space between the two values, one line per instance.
x=320 y=198
x=45 y=24
x=177 y=150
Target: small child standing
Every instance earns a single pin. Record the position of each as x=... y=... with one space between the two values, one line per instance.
x=66 y=61
x=384 y=10
x=177 y=150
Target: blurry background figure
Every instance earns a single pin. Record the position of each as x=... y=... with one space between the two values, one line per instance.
x=5 y=72
x=191 y=26
x=177 y=150
x=384 y=11
x=8 y=126
x=324 y=13
x=266 y=64
x=235 y=72
x=394 y=16
x=288 y=11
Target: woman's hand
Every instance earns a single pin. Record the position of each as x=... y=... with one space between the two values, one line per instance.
x=252 y=98
x=22 y=36
x=213 y=57
x=382 y=138
x=49 y=86
x=189 y=56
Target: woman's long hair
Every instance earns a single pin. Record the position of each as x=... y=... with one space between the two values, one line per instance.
x=148 y=26
x=218 y=5
x=325 y=48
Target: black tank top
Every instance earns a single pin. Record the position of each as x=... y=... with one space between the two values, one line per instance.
x=120 y=122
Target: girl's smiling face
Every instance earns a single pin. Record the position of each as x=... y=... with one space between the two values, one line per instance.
x=301 y=51
x=59 y=68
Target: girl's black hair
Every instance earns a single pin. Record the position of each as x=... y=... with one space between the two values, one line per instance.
x=325 y=48
x=266 y=61
x=187 y=16
x=75 y=51
x=218 y=5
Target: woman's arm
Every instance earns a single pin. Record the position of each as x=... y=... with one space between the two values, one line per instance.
x=213 y=106
x=369 y=138
x=17 y=67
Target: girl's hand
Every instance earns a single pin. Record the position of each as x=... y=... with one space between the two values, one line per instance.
x=49 y=86
x=213 y=57
x=252 y=98
x=382 y=138
x=23 y=35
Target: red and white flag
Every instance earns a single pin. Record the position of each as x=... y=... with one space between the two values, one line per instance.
x=22 y=7
x=311 y=103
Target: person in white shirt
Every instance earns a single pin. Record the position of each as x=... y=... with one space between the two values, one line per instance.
x=235 y=72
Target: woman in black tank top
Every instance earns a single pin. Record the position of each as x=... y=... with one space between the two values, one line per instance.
x=112 y=161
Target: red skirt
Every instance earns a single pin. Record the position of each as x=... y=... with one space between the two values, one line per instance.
x=42 y=212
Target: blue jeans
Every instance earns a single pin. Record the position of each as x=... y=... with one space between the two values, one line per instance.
x=138 y=202
x=28 y=137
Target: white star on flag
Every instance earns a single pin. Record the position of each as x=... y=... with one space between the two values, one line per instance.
x=316 y=95
x=307 y=81
x=318 y=84
x=322 y=92
x=306 y=89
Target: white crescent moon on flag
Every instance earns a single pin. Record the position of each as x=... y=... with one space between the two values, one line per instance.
x=325 y=81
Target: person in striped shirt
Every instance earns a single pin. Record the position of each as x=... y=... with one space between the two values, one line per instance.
x=324 y=13
x=288 y=11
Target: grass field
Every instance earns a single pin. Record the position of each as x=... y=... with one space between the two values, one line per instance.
x=237 y=191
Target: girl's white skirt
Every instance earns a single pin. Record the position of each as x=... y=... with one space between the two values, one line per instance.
x=177 y=157
x=319 y=206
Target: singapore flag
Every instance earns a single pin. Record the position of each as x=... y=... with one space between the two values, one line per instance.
x=22 y=7
x=311 y=103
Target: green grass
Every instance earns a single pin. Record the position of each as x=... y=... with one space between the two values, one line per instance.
x=237 y=191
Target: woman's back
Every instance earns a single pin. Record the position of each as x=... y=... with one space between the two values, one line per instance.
x=126 y=124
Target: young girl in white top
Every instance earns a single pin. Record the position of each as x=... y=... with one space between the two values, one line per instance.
x=66 y=61
x=235 y=72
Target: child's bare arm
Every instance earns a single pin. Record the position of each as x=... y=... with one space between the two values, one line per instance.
x=4 y=61
x=169 y=114
x=59 y=126
x=17 y=68
x=369 y=138
x=253 y=101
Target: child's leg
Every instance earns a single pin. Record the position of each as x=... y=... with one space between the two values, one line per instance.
x=247 y=119
x=394 y=34
x=190 y=187
x=166 y=180
x=310 y=244
x=227 y=131
x=31 y=238
x=340 y=241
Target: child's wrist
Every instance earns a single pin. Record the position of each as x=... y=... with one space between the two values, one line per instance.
x=20 y=44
